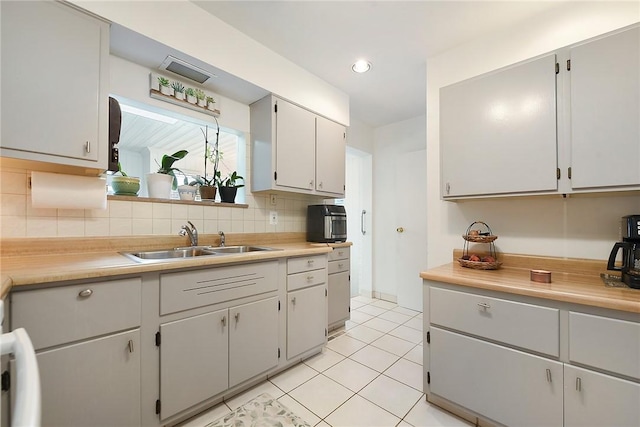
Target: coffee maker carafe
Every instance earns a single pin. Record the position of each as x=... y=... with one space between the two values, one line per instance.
x=630 y=245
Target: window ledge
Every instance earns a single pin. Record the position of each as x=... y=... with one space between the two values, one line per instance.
x=177 y=201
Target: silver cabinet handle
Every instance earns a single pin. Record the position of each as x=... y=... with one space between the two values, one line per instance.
x=309 y=278
x=578 y=384
x=310 y=262
x=362 y=214
x=237 y=316
x=130 y=345
x=311 y=184
x=320 y=185
x=340 y=253
x=85 y=293
x=548 y=375
x=484 y=305
x=224 y=320
x=400 y=229
x=87 y=146
x=340 y=265
x=293 y=300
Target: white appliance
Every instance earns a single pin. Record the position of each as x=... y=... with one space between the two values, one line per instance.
x=26 y=411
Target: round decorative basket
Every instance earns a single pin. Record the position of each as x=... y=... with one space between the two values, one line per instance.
x=479 y=236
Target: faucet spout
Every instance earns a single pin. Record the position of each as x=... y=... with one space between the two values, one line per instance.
x=222 y=239
x=191 y=231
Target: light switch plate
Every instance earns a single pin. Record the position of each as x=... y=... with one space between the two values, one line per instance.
x=273 y=217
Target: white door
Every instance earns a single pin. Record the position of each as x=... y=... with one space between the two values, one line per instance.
x=357 y=203
x=411 y=227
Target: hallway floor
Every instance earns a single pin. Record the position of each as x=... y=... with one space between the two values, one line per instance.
x=370 y=374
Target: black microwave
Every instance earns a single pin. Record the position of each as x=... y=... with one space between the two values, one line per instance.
x=326 y=223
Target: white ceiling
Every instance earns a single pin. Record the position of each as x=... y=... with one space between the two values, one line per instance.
x=326 y=37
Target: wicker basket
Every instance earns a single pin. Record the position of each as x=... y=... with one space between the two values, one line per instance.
x=480 y=237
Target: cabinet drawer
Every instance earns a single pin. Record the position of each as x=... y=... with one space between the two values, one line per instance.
x=339 y=253
x=522 y=325
x=601 y=342
x=68 y=313
x=190 y=289
x=298 y=265
x=338 y=266
x=306 y=279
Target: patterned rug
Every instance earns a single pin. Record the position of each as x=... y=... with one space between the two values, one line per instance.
x=263 y=411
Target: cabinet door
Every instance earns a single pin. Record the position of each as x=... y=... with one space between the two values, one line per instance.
x=508 y=386
x=330 y=156
x=498 y=131
x=295 y=146
x=306 y=320
x=253 y=339
x=605 y=111
x=94 y=383
x=594 y=399
x=339 y=297
x=51 y=70
x=193 y=360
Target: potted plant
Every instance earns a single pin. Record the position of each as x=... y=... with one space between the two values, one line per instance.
x=228 y=187
x=165 y=89
x=188 y=190
x=124 y=185
x=211 y=103
x=191 y=95
x=200 y=96
x=178 y=89
x=159 y=184
x=211 y=154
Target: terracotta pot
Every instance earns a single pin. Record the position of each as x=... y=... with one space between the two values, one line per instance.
x=207 y=192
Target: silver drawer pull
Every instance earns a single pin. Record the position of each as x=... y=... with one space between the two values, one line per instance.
x=130 y=346
x=86 y=293
x=224 y=320
x=340 y=265
x=340 y=253
x=237 y=316
x=87 y=146
x=578 y=384
x=310 y=261
x=484 y=305
x=309 y=278
x=293 y=300
x=548 y=375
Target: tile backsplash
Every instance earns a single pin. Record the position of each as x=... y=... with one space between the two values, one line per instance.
x=125 y=218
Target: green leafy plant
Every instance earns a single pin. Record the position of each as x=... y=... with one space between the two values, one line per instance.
x=120 y=170
x=163 y=81
x=210 y=100
x=178 y=87
x=190 y=91
x=199 y=94
x=166 y=165
x=230 y=180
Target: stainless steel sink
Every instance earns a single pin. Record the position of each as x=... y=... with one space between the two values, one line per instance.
x=240 y=249
x=190 y=252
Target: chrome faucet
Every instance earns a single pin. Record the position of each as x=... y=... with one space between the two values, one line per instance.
x=191 y=231
x=221 y=238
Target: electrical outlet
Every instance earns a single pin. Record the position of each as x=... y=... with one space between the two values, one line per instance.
x=272 y=198
x=273 y=217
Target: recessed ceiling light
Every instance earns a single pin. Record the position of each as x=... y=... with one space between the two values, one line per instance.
x=361 y=66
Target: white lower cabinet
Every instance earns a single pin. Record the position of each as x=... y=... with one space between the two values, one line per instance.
x=339 y=287
x=595 y=399
x=506 y=385
x=194 y=359
x=306 y=320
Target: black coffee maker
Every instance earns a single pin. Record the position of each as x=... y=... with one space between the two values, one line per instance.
x=630 y=246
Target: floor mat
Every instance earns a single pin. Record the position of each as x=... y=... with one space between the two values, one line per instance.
x=263 y=411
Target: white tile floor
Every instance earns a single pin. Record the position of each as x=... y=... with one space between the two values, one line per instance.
x=370 y=374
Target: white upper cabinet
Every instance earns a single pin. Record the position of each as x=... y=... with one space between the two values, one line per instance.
x=605 y=112
x=296 y=150
x=564 y=122
x=54 y=84
x=498 y=131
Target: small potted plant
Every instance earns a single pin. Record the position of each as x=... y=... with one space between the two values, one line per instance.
x=191 y=95
x=211 y=103
x=178 y=89
x=213 y=155
x=229 y=187
x=200 y=96
x=159 y=184
x=187 y=191
x=124 y=185
x=165 y=89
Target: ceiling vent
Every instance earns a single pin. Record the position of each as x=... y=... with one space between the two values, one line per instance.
x=185 y=69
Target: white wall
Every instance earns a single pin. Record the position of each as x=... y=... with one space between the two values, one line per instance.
x=584 y=227
x=390 y=142
x=184 y=26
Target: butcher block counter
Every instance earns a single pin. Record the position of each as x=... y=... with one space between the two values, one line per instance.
x=572 y=280
x=26 y=262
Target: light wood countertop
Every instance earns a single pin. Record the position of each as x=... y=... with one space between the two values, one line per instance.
x=76 y=259
x=572 y=280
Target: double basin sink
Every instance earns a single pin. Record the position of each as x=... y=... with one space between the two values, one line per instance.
x=194 y=251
